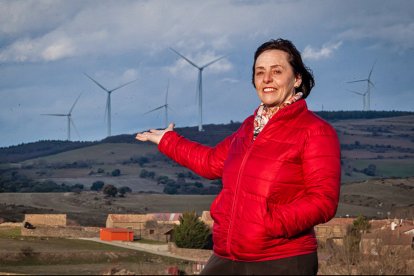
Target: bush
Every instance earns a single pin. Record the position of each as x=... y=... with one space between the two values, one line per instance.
x=110 y=190
x=191 y=232
x=116 y=172
x=123 y=190
x=97 y=186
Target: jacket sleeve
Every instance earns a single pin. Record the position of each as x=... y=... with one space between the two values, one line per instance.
x=321 y=173
x=204 y=160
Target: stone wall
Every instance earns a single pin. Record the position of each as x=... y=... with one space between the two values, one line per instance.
x=62 y=232
x=201 y=254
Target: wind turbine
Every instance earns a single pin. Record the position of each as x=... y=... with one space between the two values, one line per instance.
x=108 y=99
x=165 y=106
x=199 y=85
x=364 y=96
x=369 y=83
x=69 y=116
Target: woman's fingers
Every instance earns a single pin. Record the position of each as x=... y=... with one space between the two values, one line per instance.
x=153 y=135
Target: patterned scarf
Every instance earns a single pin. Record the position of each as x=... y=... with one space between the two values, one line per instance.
x=264 y=113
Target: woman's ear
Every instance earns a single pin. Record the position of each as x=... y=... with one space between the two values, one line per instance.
x=298 y=81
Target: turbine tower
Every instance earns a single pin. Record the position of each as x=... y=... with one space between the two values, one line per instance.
x=199 y=85
x=69 y=116
x=368 y=91
x=165 y=106
x=108 y=99
x=364 y=96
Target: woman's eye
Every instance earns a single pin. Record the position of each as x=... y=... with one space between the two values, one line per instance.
x=259 y=73
x=277 y=72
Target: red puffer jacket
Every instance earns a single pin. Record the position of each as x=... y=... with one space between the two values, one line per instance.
x=275 y=188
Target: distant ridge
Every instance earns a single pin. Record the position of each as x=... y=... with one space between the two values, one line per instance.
x=212 y=134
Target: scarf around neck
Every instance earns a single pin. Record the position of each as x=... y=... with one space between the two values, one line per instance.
x=265 y=113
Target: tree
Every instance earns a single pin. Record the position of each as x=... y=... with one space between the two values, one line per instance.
x=191 y=232
x=123 y=190
x=97 y=186
x=361 y=225
x=116 y=172
x=110 y=190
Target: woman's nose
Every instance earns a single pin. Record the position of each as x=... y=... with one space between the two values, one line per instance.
x=267 y=77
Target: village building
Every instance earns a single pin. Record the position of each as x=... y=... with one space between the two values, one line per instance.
x=46 y=219
x=116 y=234
x=389 y=236
x=54 y=225
x=334 y=230
x=154 y=226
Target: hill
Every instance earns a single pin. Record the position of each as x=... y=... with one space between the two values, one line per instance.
x=212 y=135
x=370 y=149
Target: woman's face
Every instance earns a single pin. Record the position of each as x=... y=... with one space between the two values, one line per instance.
x=274 y=78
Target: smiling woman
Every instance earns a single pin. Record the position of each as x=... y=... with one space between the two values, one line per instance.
x=280 y=172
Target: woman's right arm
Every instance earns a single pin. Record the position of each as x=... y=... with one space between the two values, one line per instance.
x=203 y=160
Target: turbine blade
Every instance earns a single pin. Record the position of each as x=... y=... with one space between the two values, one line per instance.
x=370 y=72
x=157 y=108
x=357 y=81
x=76 y=130
x=97 y=83
x=70 y=111
x=370 y=82
x=60 y=115
x=166 y=93
x=356 y=92
x=211 y=62
x=189 y=61
x=122 y=85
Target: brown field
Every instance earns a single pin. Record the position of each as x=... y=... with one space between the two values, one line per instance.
x=59 y=256
x=91 y=208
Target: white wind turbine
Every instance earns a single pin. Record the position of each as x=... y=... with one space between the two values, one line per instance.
x=364 y=96
x=165 y=106
x=368 y=91
x=68 y=116
x=108 y=99
x=199 y=85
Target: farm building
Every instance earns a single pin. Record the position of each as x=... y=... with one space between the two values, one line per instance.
x=384 y=242
x=155 y=226
x=166 y=218
x=116 y=234
x=137 y=221
x=133 y=221
x=335 y=229
x=46 y=219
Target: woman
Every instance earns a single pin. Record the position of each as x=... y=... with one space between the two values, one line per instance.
x=280 y=172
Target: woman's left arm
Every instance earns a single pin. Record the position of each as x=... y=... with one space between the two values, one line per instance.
x=322 y=176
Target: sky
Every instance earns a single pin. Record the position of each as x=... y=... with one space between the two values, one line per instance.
x=47 y=47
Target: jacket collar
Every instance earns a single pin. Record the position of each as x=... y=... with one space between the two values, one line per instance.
x=289 y=112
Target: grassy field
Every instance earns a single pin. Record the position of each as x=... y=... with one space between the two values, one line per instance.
x=51 y=256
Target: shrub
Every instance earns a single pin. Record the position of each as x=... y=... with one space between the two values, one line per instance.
x=116 y=172
x=191 y=232
x=123 y=190
x=97 y=186
x=110 y=190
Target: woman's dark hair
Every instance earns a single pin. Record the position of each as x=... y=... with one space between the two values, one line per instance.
x=295 y=61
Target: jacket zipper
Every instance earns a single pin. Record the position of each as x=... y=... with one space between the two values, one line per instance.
x=236 y=197
x=250 y=146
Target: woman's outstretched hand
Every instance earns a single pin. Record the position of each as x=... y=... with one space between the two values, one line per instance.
x=154 y=135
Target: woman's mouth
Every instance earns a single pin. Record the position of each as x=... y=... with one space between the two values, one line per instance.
x=269 y=89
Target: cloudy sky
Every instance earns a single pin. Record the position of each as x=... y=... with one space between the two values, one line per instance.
x=47 y=46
